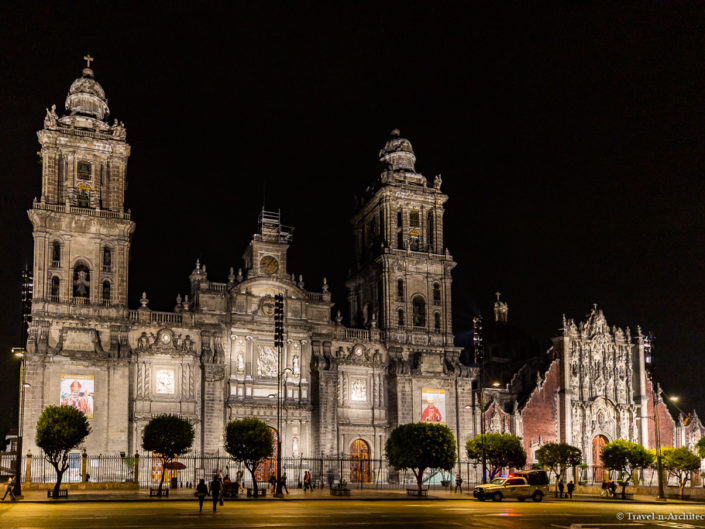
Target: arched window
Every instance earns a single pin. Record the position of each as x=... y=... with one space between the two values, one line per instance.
x=400 y=290
x=81 y=281
x=106 y=290
x=400 y=318
x=436 y=294
x=437 y=321
x=55 y=254
x=429 y=228
x=419 y=306
x=54 y=288
x=107 y=259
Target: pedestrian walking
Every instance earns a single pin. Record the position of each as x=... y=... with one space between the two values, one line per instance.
x=10 y=489
x=604 y=489
x=458 y=483
x=201 y=493
x=307 y=481
x=284 y=487
x=561 y=486
x=272 y=483
x=215 y=489
x=331 y=478
x=571 y=487
x=613 y=489
x=222 y=486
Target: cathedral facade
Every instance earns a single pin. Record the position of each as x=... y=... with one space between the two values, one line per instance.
x=213 y=359
x=345 y=385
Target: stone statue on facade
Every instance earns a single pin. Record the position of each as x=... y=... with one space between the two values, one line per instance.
x=51 y=118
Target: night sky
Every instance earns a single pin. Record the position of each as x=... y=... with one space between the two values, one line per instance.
x=570 y=139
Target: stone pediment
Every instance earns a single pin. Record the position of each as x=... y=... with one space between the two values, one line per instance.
x=165 y=341
x=359 y=354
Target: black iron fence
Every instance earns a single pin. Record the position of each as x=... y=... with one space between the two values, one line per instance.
x=325 y=472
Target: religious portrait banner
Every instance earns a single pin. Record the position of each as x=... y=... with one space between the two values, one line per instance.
x=433 y=405
x=77 y=391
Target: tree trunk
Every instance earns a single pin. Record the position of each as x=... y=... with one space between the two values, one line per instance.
x=682 y=485
x=162 y=481
x=624 y=488
x=57 y=486
x=419 y=479
x=254 y=479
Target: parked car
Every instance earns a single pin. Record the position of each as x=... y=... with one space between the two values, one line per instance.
x=515 y=486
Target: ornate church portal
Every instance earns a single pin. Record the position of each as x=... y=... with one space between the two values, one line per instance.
x=598 y=442
x=359 y=462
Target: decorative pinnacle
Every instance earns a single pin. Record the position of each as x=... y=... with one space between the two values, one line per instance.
x=88 y=60
x=498 y=294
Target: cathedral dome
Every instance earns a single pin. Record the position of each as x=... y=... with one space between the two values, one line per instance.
x=86 y=97
x=397 y=154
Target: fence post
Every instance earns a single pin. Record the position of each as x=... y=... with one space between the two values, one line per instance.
x=84 y=461
x=137 y=468
x=28 y=468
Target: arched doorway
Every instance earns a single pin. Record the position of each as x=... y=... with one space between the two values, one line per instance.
x=359 y=462
x=598 y=470
x=268 y=467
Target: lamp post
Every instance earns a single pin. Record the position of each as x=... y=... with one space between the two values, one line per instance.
x=279 y=344
x=20 y=353
x=659 y=460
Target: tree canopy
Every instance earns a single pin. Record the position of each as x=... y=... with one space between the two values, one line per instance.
x=250 y=441
x=419 y=446
x=501 y=450
x=680 y=463
x=626 y=457
x=558 y=457
x=60 y=429
x=169 y=436
x=700 y=448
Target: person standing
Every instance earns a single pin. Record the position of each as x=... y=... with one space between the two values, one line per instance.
x=272 y=483
x=284 y=487
x=458 y=483
x=561 y=486
x=222 y=486
x=215 y=490
x=10 y=489
x=307 y=481
x=201 y=493
x=331 y=478
x=571 y=487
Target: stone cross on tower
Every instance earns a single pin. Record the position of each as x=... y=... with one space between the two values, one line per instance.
x=501 y=309
x=88 y=60
x=498 y=294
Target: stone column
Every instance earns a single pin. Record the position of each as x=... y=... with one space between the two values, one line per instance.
x=136 y=478
x=28 y=469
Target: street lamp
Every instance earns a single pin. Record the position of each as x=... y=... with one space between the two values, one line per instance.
x=20 y=353
x=279 y=344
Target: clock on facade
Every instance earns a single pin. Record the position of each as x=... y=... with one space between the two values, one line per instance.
x=269 y=265
x=165 y=338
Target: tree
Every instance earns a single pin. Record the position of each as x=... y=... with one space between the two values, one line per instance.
x=626 y=457
x=501 y=450
x=700 y=448
x=680 y=463
x=60 y=429
x=419 y=446
x=249 y=441
x=169 y=436
x=558 y=457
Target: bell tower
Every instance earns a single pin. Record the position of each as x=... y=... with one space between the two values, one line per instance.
x=402 y=274
x=81 y=231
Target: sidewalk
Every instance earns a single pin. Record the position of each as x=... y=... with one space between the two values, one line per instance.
x=142 y=495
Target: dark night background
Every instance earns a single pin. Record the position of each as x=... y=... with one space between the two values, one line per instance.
x=570 y=139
